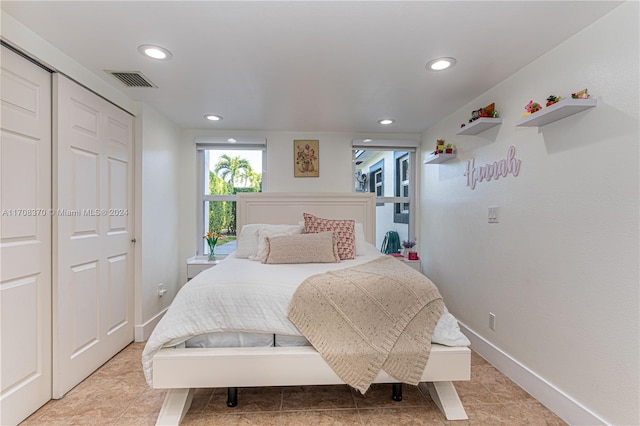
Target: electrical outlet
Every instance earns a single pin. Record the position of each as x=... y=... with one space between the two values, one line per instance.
x=492 y=321
x=493 y=214
x=161 y=290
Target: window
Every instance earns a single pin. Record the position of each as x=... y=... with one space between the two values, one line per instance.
x=387 y=170
x=376 y=183
x=401 y=210
x=225 y=170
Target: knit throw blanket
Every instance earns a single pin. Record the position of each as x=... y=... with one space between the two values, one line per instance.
x=378 y=315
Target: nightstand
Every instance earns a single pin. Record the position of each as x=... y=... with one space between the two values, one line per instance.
x=197 y=264
x=415 y=264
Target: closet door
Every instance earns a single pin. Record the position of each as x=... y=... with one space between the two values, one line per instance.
x=25 y=238
x=93 y=256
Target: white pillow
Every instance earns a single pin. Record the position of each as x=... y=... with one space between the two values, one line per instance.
x=272 y=231
x=447 y=331
x=360 y=240
x=248 y=241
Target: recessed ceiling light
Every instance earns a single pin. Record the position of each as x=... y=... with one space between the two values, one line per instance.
x=367 y=140
x=231 y=140
x=213 y=117
x=155 y=52
x=440 y=64
x=386 y=121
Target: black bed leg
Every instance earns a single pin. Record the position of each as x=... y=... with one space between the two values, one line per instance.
x=232 y=397
x=397 y=392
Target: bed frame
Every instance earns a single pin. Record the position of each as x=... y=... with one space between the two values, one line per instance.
x=182 y=370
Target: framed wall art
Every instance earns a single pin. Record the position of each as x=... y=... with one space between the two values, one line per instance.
x=306 y=158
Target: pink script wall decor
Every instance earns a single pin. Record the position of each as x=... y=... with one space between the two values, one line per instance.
x=493 y=171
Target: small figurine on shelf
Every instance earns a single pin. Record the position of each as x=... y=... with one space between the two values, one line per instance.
x=487 y=112
x=531 y=107
x=582 y=94
x=439 y=146
x=475 y=115
x=448 y=149
x=552 y=99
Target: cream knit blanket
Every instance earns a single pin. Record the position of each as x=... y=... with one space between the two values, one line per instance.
x=379 y=315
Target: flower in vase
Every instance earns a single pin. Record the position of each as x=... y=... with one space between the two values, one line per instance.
x=408 y=244
x=212 y=240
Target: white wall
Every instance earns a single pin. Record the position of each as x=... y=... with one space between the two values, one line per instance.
x=158 y=204
x=560 y=270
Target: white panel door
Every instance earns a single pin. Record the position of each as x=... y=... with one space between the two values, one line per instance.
x=93 y=229
x=25 y=238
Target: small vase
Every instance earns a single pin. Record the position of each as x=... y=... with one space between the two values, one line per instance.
x=212 y=256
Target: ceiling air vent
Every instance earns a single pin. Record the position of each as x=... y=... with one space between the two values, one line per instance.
x=132 y=78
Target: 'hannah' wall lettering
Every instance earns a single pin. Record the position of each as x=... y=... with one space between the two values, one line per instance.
x=493 y=171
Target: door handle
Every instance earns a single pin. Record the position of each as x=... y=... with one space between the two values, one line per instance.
x=133 y=240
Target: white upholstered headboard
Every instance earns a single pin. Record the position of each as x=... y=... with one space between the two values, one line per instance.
x=283 y=208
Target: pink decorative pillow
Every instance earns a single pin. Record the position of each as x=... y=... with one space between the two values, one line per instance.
x=344 y=231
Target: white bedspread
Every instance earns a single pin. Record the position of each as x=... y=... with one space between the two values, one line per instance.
x=236 y=295
x=239 y=295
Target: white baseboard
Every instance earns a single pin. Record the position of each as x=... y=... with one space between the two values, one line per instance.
x=143 y=331
x=565 y=407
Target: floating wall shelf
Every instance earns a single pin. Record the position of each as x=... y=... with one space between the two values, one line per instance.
x=439 y=158
x=557 y=111
x=479 y=126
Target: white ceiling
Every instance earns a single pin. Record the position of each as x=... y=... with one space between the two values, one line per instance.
x=308 y=66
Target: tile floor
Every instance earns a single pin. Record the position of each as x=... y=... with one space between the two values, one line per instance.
x=117 y=394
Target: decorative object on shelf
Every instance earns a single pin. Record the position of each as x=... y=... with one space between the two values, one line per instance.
x=439 y=155
x=438 y=158
x=552 y=99
x=306 y=158
x=487 y=112
x=562 y=109
x=212 y=240
x=531 y=107
x=582 y=94
x=413 y=256
x=479 y=126
x=493 y=171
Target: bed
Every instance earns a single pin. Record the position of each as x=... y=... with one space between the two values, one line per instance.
x=169 y=362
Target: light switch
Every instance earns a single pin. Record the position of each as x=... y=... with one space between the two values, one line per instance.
x=493 y=214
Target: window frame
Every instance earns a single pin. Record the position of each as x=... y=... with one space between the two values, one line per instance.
x=400 y=213
x=408 y=147
x=202 y=158
x=374 y=170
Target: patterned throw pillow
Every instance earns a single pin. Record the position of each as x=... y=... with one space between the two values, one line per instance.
x=344 y=231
